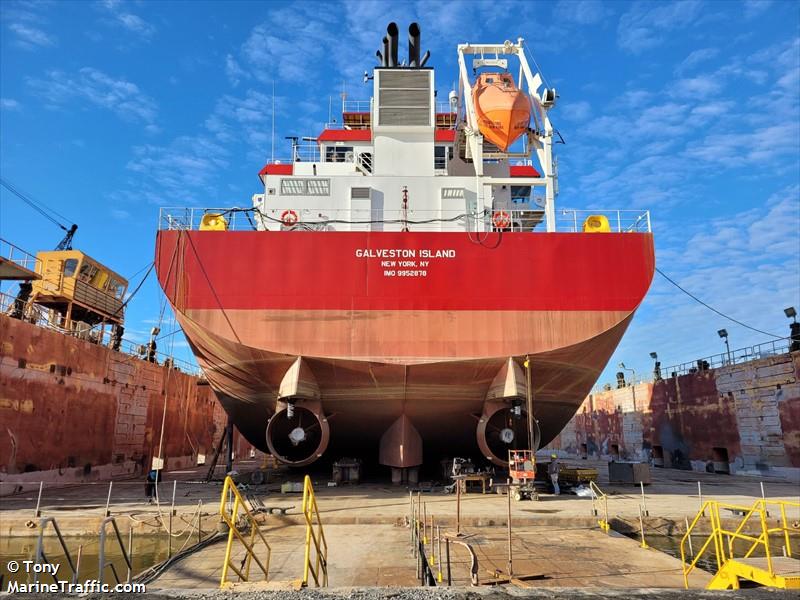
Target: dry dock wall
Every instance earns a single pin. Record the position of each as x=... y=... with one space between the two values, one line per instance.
x=75 y=411
x=743 y=418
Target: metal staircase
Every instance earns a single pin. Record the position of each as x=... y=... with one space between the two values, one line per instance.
x=736 y=550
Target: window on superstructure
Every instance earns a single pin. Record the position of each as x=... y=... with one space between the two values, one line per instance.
x=305 y=187
x=318 y=187
x=293 y=187
x=339 y=154
x=520 y=194
x=441 y=155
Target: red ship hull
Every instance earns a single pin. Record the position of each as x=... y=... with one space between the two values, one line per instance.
x=402 y=335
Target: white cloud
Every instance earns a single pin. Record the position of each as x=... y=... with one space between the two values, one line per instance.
x=753 y=8
x=575 y=111
x=701 y=86
x=118 y=95
x=744 y=265
x=120 y=214
x=173 y=172
x=10 y=104
x=582 y=12
x=647 y=25
x=136 y=24
x=695 y=58
x=234 y=72
x=30 y=37
x=127 y=20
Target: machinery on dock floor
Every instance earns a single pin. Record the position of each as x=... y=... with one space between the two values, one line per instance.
x=522 y=472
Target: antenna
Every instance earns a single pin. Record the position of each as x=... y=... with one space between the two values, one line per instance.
x=272 y=159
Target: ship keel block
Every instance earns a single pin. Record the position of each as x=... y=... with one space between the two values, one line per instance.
x=401 y=449
x=298 y=433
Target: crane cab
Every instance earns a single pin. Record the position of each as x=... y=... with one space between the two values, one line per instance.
x=79 y=292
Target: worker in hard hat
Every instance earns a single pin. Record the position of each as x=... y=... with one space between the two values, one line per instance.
x=553 y=469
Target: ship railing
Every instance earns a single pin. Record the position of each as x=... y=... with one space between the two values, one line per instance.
x=340 y=126
x=734 y=357
x=306 y=151
x=190 y=218
x=365 y=106
x=356 y=106
x=620 y=221
x=42 y=317
x=18 y=256
x=519 y=219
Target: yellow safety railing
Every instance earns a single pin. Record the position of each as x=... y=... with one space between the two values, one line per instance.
x=318 y=567
x=599 y=497
x=724 y=540
x=242 y=525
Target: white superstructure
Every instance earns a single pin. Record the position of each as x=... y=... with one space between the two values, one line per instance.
x=403 y=161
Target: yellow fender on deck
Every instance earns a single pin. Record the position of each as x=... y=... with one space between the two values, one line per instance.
x=213 y=222
x=596 y=224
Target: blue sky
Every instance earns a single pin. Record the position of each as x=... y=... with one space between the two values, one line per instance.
x=111 y=109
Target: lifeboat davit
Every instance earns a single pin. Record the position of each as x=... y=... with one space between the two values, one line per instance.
x=504 y=111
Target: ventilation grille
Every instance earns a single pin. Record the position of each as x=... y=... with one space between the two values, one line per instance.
x=404 y=98
x=359 y=193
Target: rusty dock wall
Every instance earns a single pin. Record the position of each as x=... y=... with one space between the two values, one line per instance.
x=74 y=411
x=741 y=418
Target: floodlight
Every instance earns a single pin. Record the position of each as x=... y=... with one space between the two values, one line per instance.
x=723 y=333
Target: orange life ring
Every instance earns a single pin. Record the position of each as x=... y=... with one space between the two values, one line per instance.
x=288 y=217
x=501 y=219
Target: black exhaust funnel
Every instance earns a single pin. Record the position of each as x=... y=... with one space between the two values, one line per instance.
x=413 y=45
x=394 y=34
x=425 y=58
x=385 y=59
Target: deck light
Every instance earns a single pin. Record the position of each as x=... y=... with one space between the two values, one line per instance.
x=790 y=313
x=723 y=333
x=654 y=355
x=633 y=371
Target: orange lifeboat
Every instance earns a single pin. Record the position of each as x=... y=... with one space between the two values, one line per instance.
x=504 y=112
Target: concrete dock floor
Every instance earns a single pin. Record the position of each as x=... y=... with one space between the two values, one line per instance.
x=380 y=555
x=556 y=540
x=672 y=497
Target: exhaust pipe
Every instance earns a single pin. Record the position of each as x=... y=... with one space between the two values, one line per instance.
x=425 y=58
x=385 y=57
x=394 y=34
x=413 y=45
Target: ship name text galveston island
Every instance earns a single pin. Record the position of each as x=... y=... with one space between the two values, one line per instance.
x=403 y=253
x=407 y=267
